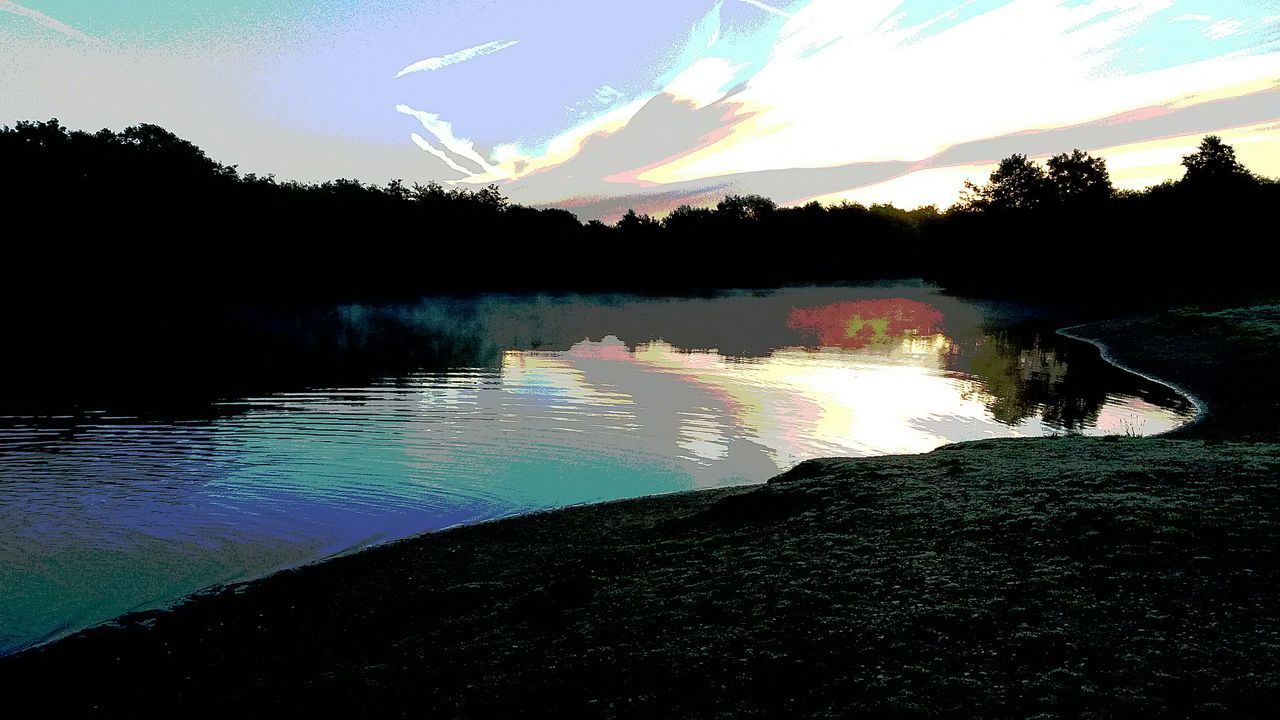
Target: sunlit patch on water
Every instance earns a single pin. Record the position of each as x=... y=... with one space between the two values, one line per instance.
x=101 y=515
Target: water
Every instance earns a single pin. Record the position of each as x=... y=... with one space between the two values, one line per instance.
x=553 y=402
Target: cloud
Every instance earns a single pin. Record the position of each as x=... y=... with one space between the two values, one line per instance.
x=444 y=157
x=768 y=8
x=459 y=147
x=1213 y=30
x=705 y=82
x=663 y=129
x=42 y=19
x=850 y=96
x=786 y=186
x=1159 y=121
x=843 y=85
x=436 y=63
x=943 y=173
x=605 y=96
x=1224 y=28
x=837 y=96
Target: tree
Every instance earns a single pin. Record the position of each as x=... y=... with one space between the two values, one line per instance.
x=396 y=189
x=1016 y=184
x=1078 y=176
x=746 y=207
x=635 y=223
x=491 y=198
x=1214 y=164
x=162 y=150
x=687 y=219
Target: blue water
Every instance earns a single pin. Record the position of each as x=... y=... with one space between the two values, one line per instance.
x=584 y=399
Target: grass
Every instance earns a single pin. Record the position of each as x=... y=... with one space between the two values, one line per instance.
x=1053 y=577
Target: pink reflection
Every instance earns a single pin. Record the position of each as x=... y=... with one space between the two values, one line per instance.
x=860 y=323
x=609 y=348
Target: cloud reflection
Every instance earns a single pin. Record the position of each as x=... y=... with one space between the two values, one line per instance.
x=881 y=378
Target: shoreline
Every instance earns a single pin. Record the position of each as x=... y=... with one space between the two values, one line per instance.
x=1104 y=351
x=1001 y=577
x=220 y=587
x=214 y=589
x=949 y=555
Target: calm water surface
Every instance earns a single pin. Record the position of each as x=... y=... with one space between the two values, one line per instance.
x=555 y=402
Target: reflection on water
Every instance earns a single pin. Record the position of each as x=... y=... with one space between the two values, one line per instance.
x=582 y=400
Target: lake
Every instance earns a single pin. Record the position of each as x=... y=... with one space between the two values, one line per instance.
x=449 y=411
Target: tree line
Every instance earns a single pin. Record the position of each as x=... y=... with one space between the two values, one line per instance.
x=144 y=213
x=1062 y=230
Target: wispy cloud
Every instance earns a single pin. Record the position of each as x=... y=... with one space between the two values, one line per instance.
x=42 y=19
x=443 y=156
x=1214 y=30
x=459 y=147
x=604 y=96
x=768 y=8
x=1224 y=28
x=436 y=63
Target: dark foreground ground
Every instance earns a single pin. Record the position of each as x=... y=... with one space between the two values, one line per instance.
x=1110 y=577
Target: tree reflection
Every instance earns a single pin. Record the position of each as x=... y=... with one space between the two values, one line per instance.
x=1023 y=373
x=1018 y=372
x=857 y=324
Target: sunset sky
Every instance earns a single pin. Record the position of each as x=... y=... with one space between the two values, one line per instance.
x=599 y=106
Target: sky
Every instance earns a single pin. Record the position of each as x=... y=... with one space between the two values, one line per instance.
x=601 y=106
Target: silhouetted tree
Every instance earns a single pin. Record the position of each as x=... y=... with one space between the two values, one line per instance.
x=1214 y=165
x=633 y=223
x=491 y=197
x=1079 y=177
x=144 y=214
x=1030 y=233
x=1016 y=184
x=746 y=207
x=396 y=189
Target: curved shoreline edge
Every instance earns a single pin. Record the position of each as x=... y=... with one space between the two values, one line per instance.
x=1069 y=576
x=1201 y=410
x=1201 y=407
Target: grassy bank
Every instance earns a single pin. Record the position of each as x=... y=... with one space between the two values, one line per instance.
x=1057 y=576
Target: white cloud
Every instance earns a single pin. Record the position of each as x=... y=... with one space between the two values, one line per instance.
x=42 y=19
x=1214 y=30
x=1224 y=28
x=444 y=157
x=461 y=147
x=848 y=83
x=436 y=63
x=768 y=8
x=704 y=82
x=843 y=85
x=607 y=94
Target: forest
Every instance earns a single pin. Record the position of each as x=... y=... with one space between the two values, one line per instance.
x=144 y=214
